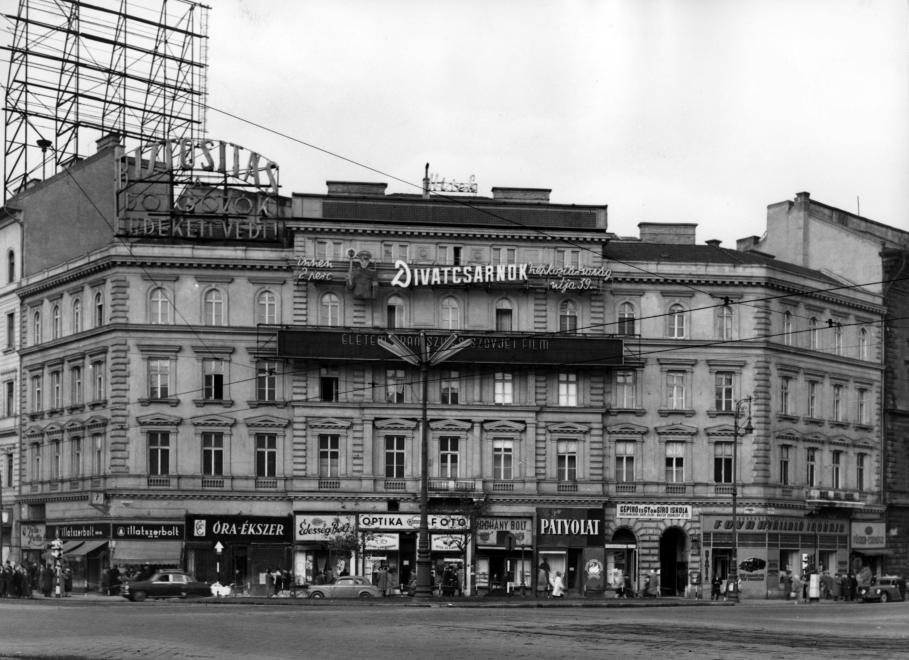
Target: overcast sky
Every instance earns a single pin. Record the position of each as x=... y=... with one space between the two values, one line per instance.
x=699 y=111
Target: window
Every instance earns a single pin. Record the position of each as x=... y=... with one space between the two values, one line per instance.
x=10 y=267
x=158 y=378
x=863 y=344
x=158 y=453
x=784 y=465
x=450 y=254
x=504 y=255
x=722 y=462
x=567 y=460
x=159 y=310
x=813 y=334
x=213 y=379
x=329 y=455
x=448 y=457
x=97 y=454
x=724 y=323
x=75 y=377
x=99 y=310
x=861 y=406
x=568 y=317
x=568 y=389
x=36 y=328
x=676 y=395
x=37 y=402
x=504 y=316
x=503 y=388
x=450 y=388
x=624 y=462
x=55 y=459
x=328 y=249
x=394 y=385
x=330 y=310
x=8 y=475
x=723 y=391
x=77 y=315
x=11 y=330
x=56 y=379
x=212 y=454
x=812 y=399
x=266 y=454
x=787 y=328
x=9 y=398
x=837 y=338
x=838 y=403
x=451 y=314
x=76 y=466
x=785 y=395
x=328 y=386
x=36 y=461
x=625 y=389
x=568 y=258
x=860 y=471
x=56 y=322
x=394 y=313
x=811 y=467
x=502 y=459
x=626 y=319
x=266 y=381
x=675 y=462
x=213 y=308
x=391 y=252
x=99 y=388
x=675 y=322
x=266 y=308
x=836 y=465
x=394 y=456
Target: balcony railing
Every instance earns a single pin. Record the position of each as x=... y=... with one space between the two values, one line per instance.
x=329 y=484
x=212 y=482
x=159 y=482
x=396 y=485
x=453 y=485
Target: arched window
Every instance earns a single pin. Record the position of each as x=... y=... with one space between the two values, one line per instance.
x=394 y=312
x=568 y=317
x=451 y=314
x=724 y=323
x=10 y=267
x=626 y=319
x=36 y=328
x=159 y=307
x=504 y=316
x=787 y=328
x=99 y=310
x=675 y=322
x=77 y=315
x=330 y=310
x=213 y=304
x=55 y=322
x=266 y=307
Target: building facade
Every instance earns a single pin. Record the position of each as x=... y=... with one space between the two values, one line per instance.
x=235 y=381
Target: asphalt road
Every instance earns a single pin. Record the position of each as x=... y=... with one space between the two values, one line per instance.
x=201 y=630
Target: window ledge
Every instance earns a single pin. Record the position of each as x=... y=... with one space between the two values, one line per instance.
x=226 y=403
x=721 y=413
x=787 y=418
x=666 y=412
x=814 y=421
x=863 y=427
x=638 y=412
x=839 y=425
x=76 y=407
x=280 y=403
x=173 y=402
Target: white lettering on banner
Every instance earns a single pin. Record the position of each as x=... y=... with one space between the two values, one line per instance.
x=569 y=527
x=247 y=529
x=141 y=531
x=323 y=527
x=436 y=275
x=654 y=511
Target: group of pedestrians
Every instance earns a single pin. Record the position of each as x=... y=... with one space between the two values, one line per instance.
x=840 y=586
x=549 y=585
x=21 y=580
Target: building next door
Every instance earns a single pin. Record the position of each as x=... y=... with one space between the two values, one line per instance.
x=673 y=562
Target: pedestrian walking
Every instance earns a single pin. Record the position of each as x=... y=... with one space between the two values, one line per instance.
x=543 y=579
x=558 y=585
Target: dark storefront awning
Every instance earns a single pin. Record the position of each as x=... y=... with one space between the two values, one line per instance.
x=69 y=546
x=85 y=548
x=160 y=553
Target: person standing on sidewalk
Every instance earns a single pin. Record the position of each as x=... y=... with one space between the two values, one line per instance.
x=558 y=586
x=543 y=579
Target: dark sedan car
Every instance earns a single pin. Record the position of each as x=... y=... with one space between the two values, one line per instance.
x=165 y=584
x=883 y=589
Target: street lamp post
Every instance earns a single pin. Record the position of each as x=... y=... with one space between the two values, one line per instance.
x=424 y=358
x=732 y=592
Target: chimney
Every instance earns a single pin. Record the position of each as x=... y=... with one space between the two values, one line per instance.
x=355 y=189
x=747 y=243
x=676 y=233
x=525 y=195
x=108 y=141
x=713 y=242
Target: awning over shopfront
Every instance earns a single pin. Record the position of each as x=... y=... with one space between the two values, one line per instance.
x=160 y=553
x=69 y=546
x=84 y=548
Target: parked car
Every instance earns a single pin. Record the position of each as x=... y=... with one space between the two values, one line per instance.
x=886 y=588
x=165 y=584
x=349 y=586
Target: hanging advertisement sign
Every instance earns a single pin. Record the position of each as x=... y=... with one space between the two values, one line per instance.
x=868 y=535
x=380 y=542
x=520 y=528
x=653 y=511
x=447 y=542
x=32 y=536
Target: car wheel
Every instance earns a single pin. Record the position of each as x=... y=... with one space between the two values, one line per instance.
x=365 y=595
x=317 y=594
x=884 y=597
x=139 y=596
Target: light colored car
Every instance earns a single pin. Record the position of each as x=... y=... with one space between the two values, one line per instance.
x=165 y=584
x=349 y=586
x=886 y=588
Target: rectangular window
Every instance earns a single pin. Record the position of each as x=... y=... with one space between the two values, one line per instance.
x=394 y=314
x=785 y=395
x=568 y=258
x=76 y=466
x=722 y=462
x=328 y=387
x=624 y=462
x=450 y=255
x=811 y=467
x=861 y=406
x=36 y=461
x=158 y=453
x=394 y=456
x=675 y=462
x=266 y=381
x=568 y=389
x=625 y=389
x=504 y=388
x=784 y=466
x=9 y=398
x=37 y=402
x=723 y=391
x=328 y=249
x=99 y=389
x=97 y=454
x=212 y=454
x=567 y=460
x=394 y=385
x=860 y=472
x=329 y=455
x=838 y=403
x=75 y=375
x=392 y=252
x=55 y=459
x=213 y=379
x=502 y=459
x=504 y=255
x=266 y=454
x=56 y=390
x=675 y=390
x=450 y=388
x=8 y=477
x=158 y=378
x=11 y=330
x=812 y=399
x=503 y=320
x=448 y=457
x=836 y=469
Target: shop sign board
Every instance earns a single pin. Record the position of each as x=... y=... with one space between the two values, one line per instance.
x=868 y=535
x=249 y=529
x=146 y=531
x=411 y=522
x=570 y=527
x=380 y=541
x=32 y=536
x=78 y=531
x=488 y=531
x=653 y=511
x=447 y=542
x=776 y=524
x=322 y=527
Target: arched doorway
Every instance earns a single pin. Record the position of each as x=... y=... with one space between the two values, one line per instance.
x=673 y=562
x=621 y=559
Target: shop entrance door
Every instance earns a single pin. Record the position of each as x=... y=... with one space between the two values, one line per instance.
x=240 y=564
x=673 y=562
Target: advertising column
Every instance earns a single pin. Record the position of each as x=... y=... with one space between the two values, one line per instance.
x=570 y=543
